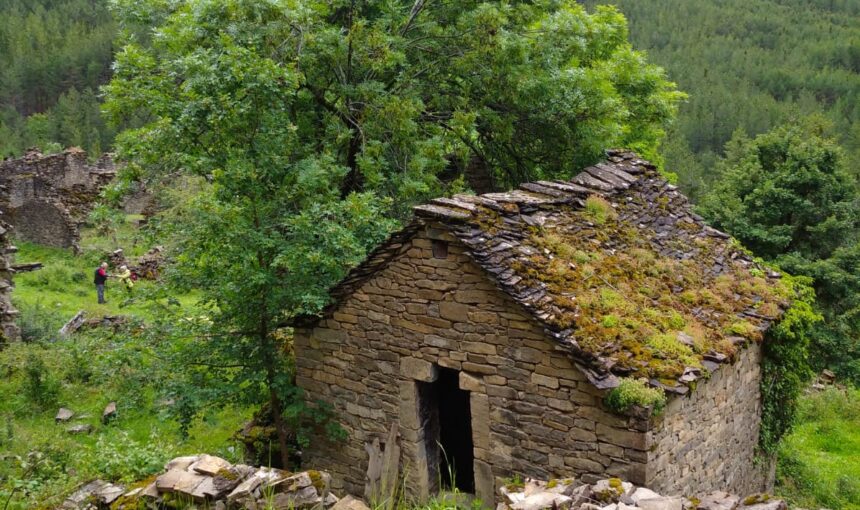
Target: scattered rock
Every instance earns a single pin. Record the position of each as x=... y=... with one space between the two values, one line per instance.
x=209 y=465
x=96 y=492
x=215 y=483
x=74 y=324
x=109 y=413
x=615 y=494
x=63 y=415
x=80 y=429
x=717 y=501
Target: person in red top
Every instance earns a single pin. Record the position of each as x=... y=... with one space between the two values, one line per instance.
x=100 y=278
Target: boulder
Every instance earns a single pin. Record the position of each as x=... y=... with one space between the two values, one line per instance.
x=80 y=429
x=63 y=415
x=109 y=413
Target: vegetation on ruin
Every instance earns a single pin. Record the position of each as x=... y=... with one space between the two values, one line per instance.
x=785 y=365
x=655 y=316
x=636 y=392
x=287 y=138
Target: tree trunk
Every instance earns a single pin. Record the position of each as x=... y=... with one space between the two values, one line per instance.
x=353 y=180
x=280 y=426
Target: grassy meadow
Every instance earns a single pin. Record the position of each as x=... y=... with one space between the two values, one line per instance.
x=819 y=462
x=40 y=462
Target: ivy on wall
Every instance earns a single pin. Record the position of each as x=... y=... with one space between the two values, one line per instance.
x=785 y=365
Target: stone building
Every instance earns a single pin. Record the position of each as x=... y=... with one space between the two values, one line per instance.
x=49 y=196
x=492 y=328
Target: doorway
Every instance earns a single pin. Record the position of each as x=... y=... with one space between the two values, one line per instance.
x=446 y=421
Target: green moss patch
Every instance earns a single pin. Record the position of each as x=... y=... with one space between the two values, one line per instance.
x=653 y=315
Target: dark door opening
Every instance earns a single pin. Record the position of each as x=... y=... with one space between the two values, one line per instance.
x=446 y=419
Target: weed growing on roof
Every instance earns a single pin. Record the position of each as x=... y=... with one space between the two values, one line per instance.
x=667 y=346
x=599 y=210
x=635 y=392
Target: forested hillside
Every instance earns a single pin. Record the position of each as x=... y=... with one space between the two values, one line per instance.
x=751 y=65
x=54 y=54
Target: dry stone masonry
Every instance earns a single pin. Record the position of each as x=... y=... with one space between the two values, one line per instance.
x=492 y=327
x=49 y=196
x=8 y=314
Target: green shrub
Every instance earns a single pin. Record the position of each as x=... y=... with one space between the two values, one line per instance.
x=636 y=392
x=37 y=322
x=123 y=459
x=40 y=387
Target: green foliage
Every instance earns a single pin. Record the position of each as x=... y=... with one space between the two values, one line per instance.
x=126 y=460
x=819 y=461
x=53 y=57
x=316 y=126
x=789 y=197
x=785 y=367
x=750 y=65
x=635 y=392
x=43 y=464
x=40 y=386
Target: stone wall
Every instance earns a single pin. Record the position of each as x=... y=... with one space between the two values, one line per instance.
x=8 y=328
x=708 y=439
x=50 y=195
x=533 y=413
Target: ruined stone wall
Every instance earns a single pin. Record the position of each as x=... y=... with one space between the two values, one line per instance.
x=533 y=413
x=707 y=440
x=50 y=195
x=8 y=327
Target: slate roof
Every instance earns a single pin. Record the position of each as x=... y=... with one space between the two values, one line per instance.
x=617 y=268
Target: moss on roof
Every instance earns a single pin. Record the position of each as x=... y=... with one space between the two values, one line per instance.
x=616 y=266
x=655 y=316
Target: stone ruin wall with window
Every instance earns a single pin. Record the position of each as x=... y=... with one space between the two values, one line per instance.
x=533 y=412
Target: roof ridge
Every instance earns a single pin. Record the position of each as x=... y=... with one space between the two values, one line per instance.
x=616 y=173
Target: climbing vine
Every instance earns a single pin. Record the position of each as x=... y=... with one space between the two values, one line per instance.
x=785 y=367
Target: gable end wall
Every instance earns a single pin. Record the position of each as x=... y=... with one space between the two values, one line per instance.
x=533 y=413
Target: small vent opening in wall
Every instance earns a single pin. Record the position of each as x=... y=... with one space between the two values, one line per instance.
x=440 y=249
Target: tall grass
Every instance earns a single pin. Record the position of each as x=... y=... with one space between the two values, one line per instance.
x=819 y=462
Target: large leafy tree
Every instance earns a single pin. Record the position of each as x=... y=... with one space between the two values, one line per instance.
x=788 y=196
x=316 y=124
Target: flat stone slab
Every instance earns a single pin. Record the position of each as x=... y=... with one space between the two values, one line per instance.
x=64 y=415
x=80 y=429
x=209 y=465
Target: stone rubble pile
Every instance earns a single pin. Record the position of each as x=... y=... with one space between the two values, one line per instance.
x=615 y=494
x=148 y=266
x=219 y=485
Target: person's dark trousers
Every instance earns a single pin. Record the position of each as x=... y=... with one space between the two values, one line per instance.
x=100 y=290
